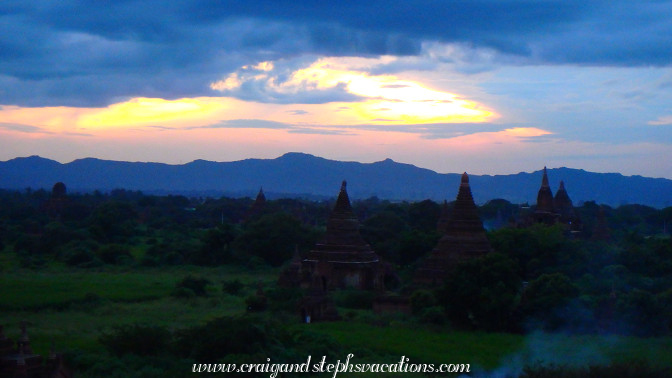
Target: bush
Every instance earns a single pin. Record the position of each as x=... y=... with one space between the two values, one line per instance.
x=196 y=285
x=222 y=336
x=433 y=315
x=355 y=299
x=141 y=340
x=422 y=299
x=232 y=287
x=115 y=254
x=256 y=303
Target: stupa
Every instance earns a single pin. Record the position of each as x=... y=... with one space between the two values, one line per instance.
x=545 y=210
x=464 y=238
x=565 y=209
x=342 y=259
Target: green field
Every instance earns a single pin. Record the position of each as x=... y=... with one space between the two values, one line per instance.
x=71 y=308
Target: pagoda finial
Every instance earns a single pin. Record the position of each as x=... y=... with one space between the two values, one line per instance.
x=343 y=185
x=562 y=185
x=465 y=179
x=544 y=180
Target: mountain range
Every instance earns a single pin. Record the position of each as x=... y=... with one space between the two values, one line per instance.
x=303 y=175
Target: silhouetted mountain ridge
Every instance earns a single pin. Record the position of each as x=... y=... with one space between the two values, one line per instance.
x=299 y=174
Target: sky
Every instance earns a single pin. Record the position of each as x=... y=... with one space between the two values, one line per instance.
x=483 y=86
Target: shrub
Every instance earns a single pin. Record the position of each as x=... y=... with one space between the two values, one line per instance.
x=422 y=299
x=232 y=287
x=433 y=315
x=141 y=340
x=256 y=303
x=114 y=254
x=355 y=299
x=197 y=285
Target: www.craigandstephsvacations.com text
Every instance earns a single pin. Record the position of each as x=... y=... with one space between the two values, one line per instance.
x=273 y=369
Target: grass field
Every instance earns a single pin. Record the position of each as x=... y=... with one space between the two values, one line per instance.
x=71 y=308
x=492 y=350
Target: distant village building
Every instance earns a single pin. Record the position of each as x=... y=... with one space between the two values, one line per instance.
x=20 y=360
x=464 y=238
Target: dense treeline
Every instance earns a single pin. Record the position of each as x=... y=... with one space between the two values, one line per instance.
x=613 y=276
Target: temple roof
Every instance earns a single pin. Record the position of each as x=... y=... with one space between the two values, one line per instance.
x=545 y=196
x=464 y=238
x=562 y=202
x=261 y=198
x=258 y=206
x=464 y=209
x=342 y=240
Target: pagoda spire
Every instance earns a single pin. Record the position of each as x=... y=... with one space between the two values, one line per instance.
x=464 y=238
x=565 y=208
x=343 y=207
x=342 y=258
x=260 y=196
x=343 y=224
x=545 y=196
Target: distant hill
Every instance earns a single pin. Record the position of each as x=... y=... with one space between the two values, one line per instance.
x=297 y=174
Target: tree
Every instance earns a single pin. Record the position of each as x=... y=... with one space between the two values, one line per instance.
x=274 y=237
x=546 y=298
x=113 y=221
x=216 y=246
x=482 y=293
x=424 y=215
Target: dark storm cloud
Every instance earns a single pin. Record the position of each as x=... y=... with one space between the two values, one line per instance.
x=82 y=53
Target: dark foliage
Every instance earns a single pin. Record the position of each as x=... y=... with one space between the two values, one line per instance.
x=195 y=285
x=232 y=287
x=274 y=238
x=482 y=293
x=138 y=339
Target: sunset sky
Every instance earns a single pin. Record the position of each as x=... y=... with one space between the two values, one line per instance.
x=486 y=86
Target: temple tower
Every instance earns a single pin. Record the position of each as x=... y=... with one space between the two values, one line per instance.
x=342 y=259
x=464 y=238
x=545 y=196
x=545 y=211
x=565 y=209
x=258 y=206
